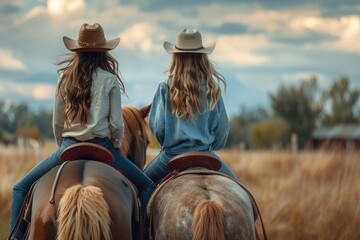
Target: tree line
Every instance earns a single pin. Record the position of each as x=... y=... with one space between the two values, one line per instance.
x=295 y=109
x=17 y=120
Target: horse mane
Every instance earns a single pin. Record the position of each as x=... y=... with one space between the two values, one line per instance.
x=134 y=123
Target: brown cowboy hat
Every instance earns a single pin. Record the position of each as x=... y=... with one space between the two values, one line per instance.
x=91 y=39
x=189 y=40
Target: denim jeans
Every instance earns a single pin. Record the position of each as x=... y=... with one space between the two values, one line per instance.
x=21 y=188
x=158 y=168
x=144 y=185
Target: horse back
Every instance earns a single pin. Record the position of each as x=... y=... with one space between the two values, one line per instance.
x=177 y=202
x=114 y=186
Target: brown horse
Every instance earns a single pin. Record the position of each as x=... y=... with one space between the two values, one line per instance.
x=91 y=199
x=199 y=205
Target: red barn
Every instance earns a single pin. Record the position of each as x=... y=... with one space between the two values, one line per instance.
x=339 y=137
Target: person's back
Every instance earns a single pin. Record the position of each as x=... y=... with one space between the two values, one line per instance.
x=104 y=88
x=206 y=130
x=188 y=113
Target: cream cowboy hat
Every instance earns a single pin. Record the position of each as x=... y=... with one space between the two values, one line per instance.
x=91 y=39
x=189 y=41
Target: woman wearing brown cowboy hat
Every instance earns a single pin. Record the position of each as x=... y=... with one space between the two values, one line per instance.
x=87 y=107
x=187 y=112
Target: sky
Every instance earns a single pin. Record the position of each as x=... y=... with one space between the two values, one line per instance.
x=260 y=44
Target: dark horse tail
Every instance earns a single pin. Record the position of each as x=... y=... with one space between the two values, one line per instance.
x=208 y=221
x=83 y=214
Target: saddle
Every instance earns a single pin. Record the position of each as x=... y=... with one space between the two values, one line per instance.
x=194 y=159
x=87 y=150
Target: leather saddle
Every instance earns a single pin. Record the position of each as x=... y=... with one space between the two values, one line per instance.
x=86 y=150
x=194 y=159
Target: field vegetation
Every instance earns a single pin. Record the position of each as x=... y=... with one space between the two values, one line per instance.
x=307 y=195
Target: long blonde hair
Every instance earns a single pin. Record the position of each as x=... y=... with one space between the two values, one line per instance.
x=188 y=71
x=76 y=81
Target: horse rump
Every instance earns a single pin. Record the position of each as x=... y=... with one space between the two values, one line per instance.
x=208 y=221
x=83 y=214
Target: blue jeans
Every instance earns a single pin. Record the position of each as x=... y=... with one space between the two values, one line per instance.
x=158 y=168
x=144 y=185
x=22 y=187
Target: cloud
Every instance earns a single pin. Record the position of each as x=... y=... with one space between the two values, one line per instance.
x=341 y=33
x=33 y=12
x=14 y=90
x=9 y=13
x=144 y=36
x=42 y=92
x=239 y=50
x=59 y=6
x=263 y=81
x=228 y=28
x=346 y=29
x=9 y=61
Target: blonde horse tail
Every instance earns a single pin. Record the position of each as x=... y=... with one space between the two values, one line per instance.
x=83 y=214
x=208 y=221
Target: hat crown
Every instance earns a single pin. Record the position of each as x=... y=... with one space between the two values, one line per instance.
x=189 y=39
x=91 y=35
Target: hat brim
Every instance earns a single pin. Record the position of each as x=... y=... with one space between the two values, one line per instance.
x=73 y=45
x=171 y=48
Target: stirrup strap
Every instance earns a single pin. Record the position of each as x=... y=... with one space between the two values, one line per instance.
x=56 y=180
x=21 y=215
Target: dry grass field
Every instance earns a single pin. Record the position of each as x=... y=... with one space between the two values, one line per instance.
x=310 y=195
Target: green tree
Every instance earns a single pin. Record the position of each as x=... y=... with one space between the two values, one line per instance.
x=14 y=118
x=269 y=133
x=298 y=106
x=29 y=132
x=240 y=125
x=342 y=101
x=43 y=121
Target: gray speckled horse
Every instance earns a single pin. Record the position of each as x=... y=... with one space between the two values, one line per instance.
x=200 y=206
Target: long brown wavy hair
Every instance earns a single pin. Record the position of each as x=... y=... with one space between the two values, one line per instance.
x=76 y=80
x=188 y=72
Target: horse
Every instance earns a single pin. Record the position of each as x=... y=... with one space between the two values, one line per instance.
x=91 y=200
x=197 y=203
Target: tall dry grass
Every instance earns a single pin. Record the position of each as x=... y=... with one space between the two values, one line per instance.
x=14 y=164
x=310 y=195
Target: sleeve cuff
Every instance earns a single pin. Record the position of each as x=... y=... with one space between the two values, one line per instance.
x=116 y=143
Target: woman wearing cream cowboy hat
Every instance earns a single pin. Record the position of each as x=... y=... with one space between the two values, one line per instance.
x=187 y=112
x=87 y=108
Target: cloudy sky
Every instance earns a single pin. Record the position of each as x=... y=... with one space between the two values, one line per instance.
x=260 y=44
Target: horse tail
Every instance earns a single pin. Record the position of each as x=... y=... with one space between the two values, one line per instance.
x=208 y=221
x=83 y=214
